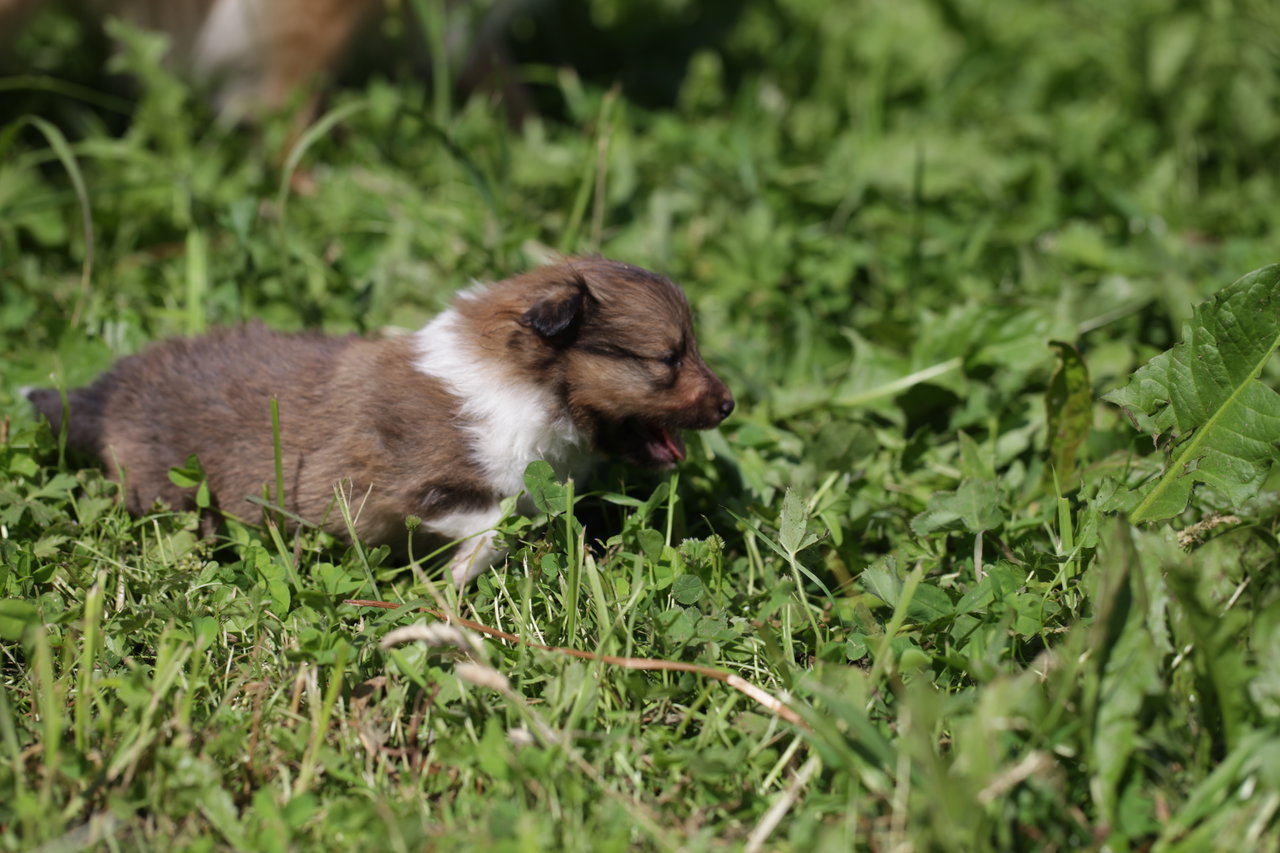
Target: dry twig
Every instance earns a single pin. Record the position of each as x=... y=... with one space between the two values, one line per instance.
x=737 y=682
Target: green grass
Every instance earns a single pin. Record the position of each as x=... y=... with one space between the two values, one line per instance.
x=882 y=219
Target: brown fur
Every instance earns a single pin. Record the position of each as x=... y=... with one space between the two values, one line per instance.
x=592 y=334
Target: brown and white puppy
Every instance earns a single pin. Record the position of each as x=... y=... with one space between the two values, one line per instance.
x=258 y=55
x=590 y=354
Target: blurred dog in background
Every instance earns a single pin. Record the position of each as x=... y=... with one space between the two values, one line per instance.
x=259 y=55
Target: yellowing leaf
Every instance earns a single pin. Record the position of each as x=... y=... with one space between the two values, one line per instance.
x=1068 y=404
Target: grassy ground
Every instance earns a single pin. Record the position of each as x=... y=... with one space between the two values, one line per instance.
x=882 y=218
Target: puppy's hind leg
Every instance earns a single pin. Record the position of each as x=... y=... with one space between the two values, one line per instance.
x=84 y=413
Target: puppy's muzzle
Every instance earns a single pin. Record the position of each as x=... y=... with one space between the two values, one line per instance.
x=726 y=405
x=716 y=404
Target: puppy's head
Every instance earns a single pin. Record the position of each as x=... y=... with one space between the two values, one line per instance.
x=617 y=344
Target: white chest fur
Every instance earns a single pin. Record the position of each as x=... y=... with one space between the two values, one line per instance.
x=511 y=422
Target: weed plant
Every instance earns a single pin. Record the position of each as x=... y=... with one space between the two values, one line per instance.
x=922 y=239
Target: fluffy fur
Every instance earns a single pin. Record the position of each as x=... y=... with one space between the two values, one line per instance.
x=589 y=355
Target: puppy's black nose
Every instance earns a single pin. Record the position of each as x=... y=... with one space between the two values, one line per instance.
x=726 y=407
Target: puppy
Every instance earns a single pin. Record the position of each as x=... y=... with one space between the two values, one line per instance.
x=257 y=52
x=257 y=55
x=588 y=355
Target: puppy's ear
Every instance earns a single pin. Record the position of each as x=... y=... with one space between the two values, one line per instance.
x=558 y=313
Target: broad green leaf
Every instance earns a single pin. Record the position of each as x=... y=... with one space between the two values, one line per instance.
x=273 y=581
x=930 y=604
x=192 y=475
x=1202 y=399
x=547 y=493
x=688 y=589
x=793 y=522
x=680 y=624
x=975 y=505
x=1068 y=405
x=189 y=475
x=23 y=466
x=15 y=616
x=651 y=543
x=883 y=582
x=976 y=460
x=46 y=547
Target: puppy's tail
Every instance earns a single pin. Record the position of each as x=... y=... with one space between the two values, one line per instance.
x=83 y=409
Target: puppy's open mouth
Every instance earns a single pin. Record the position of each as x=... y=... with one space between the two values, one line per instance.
x=647 y=443
x=663 y=445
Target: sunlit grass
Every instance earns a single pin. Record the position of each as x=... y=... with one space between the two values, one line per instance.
x=881 y=224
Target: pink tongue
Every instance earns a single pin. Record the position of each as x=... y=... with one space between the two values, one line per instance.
x=668 y=443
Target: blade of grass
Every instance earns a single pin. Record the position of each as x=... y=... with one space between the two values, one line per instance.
x=883 y=652
x=44 y=83
x=604 y=136
x=320 y=721
x=67 y=158
x=672 y=498
x=349 y=522
x=50 y=707
x=88 y=659
x=306 y=140
x=593 y=172
x=573 y=568
x=433 y=18
x=898 y=385
x=171 y=657
x=197 y=255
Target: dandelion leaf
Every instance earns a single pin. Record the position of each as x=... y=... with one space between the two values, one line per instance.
x=1202 y=401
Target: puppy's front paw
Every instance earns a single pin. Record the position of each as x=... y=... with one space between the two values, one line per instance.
x=472 y=558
